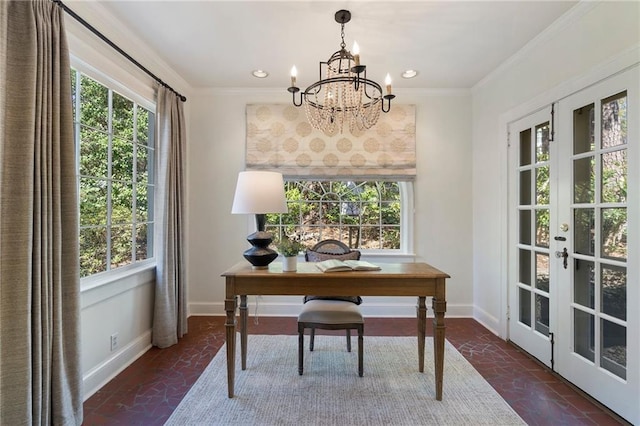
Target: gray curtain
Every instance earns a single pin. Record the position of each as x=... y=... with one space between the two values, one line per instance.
x=40 y=372
x=170 y=310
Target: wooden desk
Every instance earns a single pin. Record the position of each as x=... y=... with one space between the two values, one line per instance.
x=398 y=279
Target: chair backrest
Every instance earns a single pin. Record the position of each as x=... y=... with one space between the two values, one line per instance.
x=330 y=249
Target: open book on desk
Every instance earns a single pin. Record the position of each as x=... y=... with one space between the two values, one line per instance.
x=335 y=265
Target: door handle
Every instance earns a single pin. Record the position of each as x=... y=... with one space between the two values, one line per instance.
x=564 y=255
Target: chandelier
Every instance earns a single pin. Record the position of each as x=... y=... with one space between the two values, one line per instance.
x=345 y=97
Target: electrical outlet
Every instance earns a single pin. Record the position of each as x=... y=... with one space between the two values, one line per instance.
x=114 y=342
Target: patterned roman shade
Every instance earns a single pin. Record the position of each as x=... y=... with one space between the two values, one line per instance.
x=280 y=138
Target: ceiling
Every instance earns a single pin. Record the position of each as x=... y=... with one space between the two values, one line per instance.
x=452 y=44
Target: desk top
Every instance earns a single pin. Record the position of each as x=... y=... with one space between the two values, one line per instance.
x=309 y=269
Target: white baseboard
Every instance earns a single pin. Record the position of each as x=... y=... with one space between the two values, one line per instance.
x=100 y=375
x=488 y=321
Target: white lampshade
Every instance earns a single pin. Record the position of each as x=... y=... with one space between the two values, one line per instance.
x=259 y=192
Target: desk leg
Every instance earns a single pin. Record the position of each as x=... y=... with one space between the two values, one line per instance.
x=439 y=308
x=230 y=308
x=243 y=330
x=422 y=329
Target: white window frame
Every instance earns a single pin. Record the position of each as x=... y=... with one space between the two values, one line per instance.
x=406 y=221
x=111 y=275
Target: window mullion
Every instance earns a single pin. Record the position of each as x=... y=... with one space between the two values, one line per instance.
x=134 y=184
x=109 y=176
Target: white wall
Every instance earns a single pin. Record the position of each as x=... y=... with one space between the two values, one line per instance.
x=122 y=303
x=591 y=41
x=442 y=189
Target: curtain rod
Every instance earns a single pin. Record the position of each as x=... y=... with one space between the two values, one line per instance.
x=116 y=47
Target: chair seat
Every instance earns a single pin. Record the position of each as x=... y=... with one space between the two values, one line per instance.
x=327 y=313
x=330 y=312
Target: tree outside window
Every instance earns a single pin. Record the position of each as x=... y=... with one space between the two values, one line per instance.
x=114 y=139
x=362 y=214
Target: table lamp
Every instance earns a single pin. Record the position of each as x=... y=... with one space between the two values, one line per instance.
x=259 y=193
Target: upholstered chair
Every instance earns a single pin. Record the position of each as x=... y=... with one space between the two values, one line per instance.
x=331 y=312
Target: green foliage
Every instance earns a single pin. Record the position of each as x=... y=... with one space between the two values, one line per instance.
x=362 y=214
x=289 y=247
x=115 y=157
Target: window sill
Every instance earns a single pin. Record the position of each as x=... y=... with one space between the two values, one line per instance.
x=100 y=287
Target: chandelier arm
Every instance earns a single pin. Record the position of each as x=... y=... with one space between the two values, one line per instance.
x=293 y=90
x=388 y=98
x=341 y=79
x=369 y=84
x=320 y=69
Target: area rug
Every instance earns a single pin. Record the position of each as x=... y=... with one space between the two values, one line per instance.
x=330 y=392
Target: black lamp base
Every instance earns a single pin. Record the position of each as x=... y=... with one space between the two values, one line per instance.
x=260 y=255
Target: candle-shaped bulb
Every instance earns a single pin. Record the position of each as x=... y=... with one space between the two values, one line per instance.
x=356 y=53
x=387 y=82
x=294 y=74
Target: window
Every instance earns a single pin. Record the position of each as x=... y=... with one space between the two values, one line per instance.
x=114 y=141
x=364 y=215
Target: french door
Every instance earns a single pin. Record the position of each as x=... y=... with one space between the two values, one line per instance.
x=574 y=245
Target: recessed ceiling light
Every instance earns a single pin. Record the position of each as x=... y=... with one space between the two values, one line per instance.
x=409 y=74
x=260 y=73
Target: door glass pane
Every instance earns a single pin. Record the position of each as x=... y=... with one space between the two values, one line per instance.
x=542 y=314
x=525 y=267
x=614 y=177
x=542 y=185
x=525 y=307
x=525 y=227
x=583 y=129
x=614 y=233
x=583 y=231
x=583 y=334
x=614 y=120
x=584 y=283
x=583 y=180
x=525 y=147
x=542 y=227
x=525 y=188
x=614 y=291
x=542 y=271
x=542 y=142
x=613 y=352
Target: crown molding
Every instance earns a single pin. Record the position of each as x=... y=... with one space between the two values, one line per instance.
x=572 y=15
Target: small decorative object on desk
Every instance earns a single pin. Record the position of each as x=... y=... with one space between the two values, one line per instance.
x=335 y=265
x=289 y=248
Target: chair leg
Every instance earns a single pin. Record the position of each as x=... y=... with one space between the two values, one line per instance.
x=348 y=340
x=313 y=335
x=300 y=348
x=360 y=351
